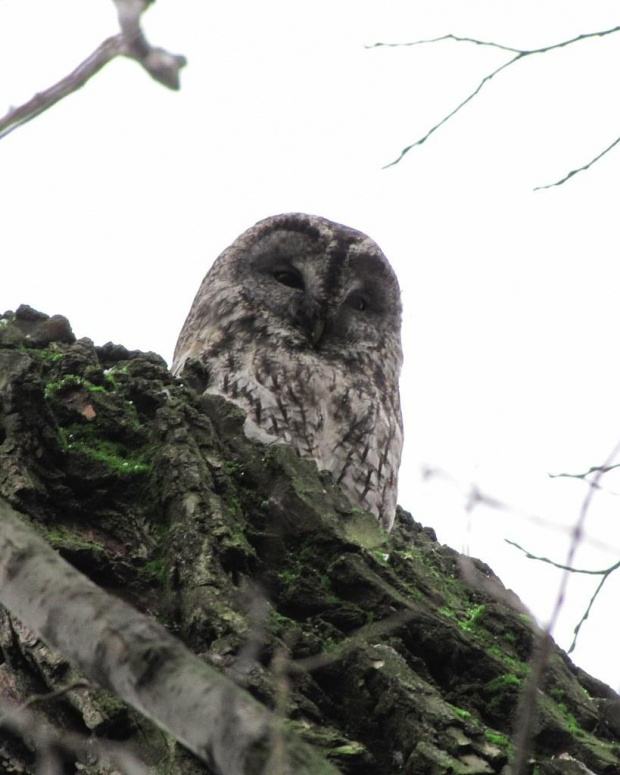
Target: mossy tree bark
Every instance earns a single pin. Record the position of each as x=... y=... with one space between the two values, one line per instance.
x=377 y=650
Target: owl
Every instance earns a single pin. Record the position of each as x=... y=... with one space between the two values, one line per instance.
x=298 y=322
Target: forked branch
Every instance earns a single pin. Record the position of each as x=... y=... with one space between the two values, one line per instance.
x=517 y=55
x=161 y=65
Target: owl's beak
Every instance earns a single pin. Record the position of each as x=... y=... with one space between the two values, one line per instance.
x=318 y=329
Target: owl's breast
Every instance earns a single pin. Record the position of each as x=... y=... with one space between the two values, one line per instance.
x=347 y=422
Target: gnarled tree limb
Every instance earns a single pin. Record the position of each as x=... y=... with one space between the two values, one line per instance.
x=140 y=661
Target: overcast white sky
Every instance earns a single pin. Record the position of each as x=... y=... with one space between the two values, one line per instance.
x=115 y=203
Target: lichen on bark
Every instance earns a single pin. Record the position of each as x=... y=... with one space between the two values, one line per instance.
x=375 y=648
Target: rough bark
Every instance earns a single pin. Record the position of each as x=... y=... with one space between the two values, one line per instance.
x=388 y=654
x=139 y=661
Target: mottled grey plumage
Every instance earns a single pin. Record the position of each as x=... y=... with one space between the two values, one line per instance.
x=299 y=324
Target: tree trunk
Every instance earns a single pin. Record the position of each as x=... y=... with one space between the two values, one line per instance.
x=309 y=626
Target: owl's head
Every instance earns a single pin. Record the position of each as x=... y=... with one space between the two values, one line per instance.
x=309 y=284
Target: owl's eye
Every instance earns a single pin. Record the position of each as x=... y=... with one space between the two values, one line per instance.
x=291 y=278
x=357 y=301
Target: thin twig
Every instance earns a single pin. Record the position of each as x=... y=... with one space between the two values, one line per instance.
x=591 y=470
x=365 y=634
x=49 y=742
x=53 y=695
x=584 y=477
x=522 y=739
x=492 y=44
x=450 y=36
x=604 y=572
x=461 y=105
x=579 y=169
x=560 y=565
x=474 y=496
x=519 y=54
x=587 y=612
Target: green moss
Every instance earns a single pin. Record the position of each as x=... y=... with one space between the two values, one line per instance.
x=448 y=613
x=71 y=381
x=329 y=645
x=109 y=375
x=79 y=439
x=289 y=576
x=516 y=666
x=501 y=682
x=461 y=712
x=62 y=536
x=232 y=468
x=124 y=369
x=280 y=621
x=501 y=741
x=156 y=569
x=472 y=621
x=351 y=749
x=109 y=704
x=159 y=529
x=44 y=355
x=329 y=740
x=381 y=557
x=570 y=718
x=605 y=752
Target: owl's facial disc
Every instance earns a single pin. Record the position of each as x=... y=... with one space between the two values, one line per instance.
x=322 y=291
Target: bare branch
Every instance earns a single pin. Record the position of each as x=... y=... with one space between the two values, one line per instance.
x=591 y=470
x=586 y=614
x=131 y=43
x=519 y=54
x=596 y=484
x=462 y=104
x=446 y=37
x=605 y=573
x=48 y=696
x=366 y=634
x=579 y=169
x=491 y=44
x=562 y=566
x=474 y=496
x=50 y=742
x=524 y=731
x=158 y=63
x=17 y=117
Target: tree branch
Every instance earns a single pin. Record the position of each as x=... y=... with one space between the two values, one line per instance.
x=579 y=169
x=50 y=742
x=519 y=54
x=474 y=496
x=461 y=105
x=130 y=42
x=524 y=731
x=605 y=573
x=140 y=661
x=591 y=470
